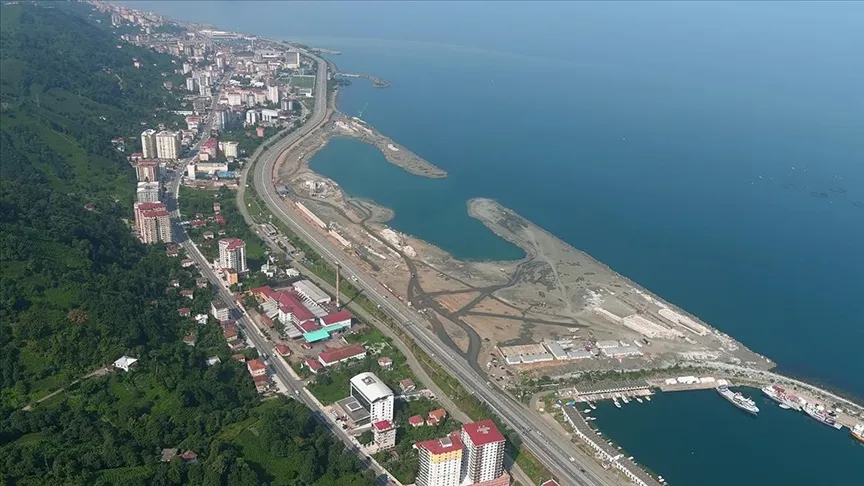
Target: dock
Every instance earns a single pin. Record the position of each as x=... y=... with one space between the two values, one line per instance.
x=376 y=81
x=610 y=454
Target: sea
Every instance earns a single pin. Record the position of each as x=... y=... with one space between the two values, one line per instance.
x=711 y=151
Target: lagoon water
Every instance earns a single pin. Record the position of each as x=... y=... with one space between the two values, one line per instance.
x=713 y=152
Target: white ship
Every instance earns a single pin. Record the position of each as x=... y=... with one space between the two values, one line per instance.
x=823 y=415
x=737 y=399
x=858 y=432
x=782 y=397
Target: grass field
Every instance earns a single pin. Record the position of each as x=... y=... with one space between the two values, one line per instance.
x=303 y=81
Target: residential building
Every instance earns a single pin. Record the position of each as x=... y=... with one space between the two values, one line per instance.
x=232 y=254
x=253 y=117
x=436 y=416
x=269 y=115
x=147 y=170
x=209 y=147
x=484 y=452
x=152 y=222
x=384 y=433
x=190 y=84
x=374 y=396
x=148 y=144
x=148 y=192
x=335 y=356
x=256 y=367
x=220 y=310
x=292 y=59
x=230 y=149
x=125 y=363
x=439 y=461
x=273 y=94
x=168 y=145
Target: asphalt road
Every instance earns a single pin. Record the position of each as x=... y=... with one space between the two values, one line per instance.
x=275 y=364
x=536 y=435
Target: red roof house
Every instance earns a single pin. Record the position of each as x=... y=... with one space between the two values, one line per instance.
x=341 y=317
x=185 y=312
x=436 y=416
x=283 y=350
x=256 y=367
x=385 y=362
x=416 y=421
x=220 y=219
x=406 y=385
x=309 y=326
x=313 y=365
x=345 y=353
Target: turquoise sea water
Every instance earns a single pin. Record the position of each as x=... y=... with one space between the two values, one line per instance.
x=713 y=152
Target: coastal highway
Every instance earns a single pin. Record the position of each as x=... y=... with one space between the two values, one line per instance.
x=537 y=436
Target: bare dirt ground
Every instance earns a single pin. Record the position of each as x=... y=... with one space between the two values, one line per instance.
x=555 y=292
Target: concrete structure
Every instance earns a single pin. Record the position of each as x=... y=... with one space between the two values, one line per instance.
x=148 y=144
x=147 y=170
x=621 y=352
x=650 y=328
x=557 y=350
x=484 y=452
x=147 y=192
x=608 y=344
x=253 y=117
x=269 y=115
x=232 y=254
x=311 y=292
x=168 y=145
x=211 y=167
x=374 y=395
x=439 y=461
x=351 y=408
x=292 y=60
x=273 y=94
x=220 y=310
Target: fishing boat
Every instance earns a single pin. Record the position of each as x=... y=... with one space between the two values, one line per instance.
x=638 y=399
x=616 y=402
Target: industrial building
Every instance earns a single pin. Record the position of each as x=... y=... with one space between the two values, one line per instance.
x=621 y=352
x=310 y=292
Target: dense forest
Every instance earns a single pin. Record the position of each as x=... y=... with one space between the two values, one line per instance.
x=78 y=291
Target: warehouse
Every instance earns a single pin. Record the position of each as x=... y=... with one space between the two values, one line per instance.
x=311 y=292
x=621 y=352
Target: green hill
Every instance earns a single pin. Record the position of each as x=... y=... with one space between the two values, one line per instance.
x=77 y=291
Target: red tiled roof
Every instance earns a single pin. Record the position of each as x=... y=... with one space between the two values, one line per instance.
x=220 y=219
x=291 y=304
x=265 y=289
x=197 y=223
x=335 y=355
x=438 y=414
x=230 y=332
x=550 y=482
x=416 y=420
x=406 y=383
x=189 y=455
x=255 y=365
x=309 y=326
x=441 y=446
x=483 y=432
x=384 y=361
x=383 y=425
x=282 y=349
x=313 y=365
x=185 y=311
x=266 y=321
x=149 y=206
x=336 y=317
x=154 y=214
x=239 y=357
x=233 y=243
x=187 y=260
x=147 y=163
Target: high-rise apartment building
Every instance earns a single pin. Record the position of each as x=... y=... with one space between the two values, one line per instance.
x=229 y=148
x=232 y=254
x=148 y=143
x=148 y=192
x=273 y=94
x=439 y=461
x=152 y=222
x=147 y=170
x=167 y=145
x=484 y=452
x=374 y=396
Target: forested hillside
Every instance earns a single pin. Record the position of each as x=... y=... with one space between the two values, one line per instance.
x=78 y=291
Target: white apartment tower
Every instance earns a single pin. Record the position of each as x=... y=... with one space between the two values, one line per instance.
x=148 y=192
x=439 y=461
x=148 y=143
x=484 y=452
x=273 y=94
x=232 y=254
x=167 y=145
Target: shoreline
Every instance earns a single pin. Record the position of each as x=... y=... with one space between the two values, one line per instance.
x=336 y=115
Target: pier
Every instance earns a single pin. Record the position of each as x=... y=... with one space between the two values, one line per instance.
x=376 y=81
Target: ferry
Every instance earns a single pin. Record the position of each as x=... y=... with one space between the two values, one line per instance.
x=819 y=413
x=737 y=399
x=858 y=432
x=780 y=396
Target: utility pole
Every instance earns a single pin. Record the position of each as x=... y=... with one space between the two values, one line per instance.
x=338 y=266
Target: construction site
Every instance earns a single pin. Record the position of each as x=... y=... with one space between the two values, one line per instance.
x=559 y=300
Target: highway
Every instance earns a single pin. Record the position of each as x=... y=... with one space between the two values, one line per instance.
x=275 y=363
x=537 y=436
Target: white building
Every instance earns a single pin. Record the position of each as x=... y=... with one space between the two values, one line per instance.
x=235 y=98
x=311 y=292
x=439 y=461
x=168 y=145
x=374 y=395
x=148 y=143
x=253 y=117
x=385 y=434
x=148 y=192
x=190 y=84
x=292 y=59
x=220 y=310
x=229 y=148
x=125 y=363
x=232 y=254
x=269 y=115
x=190 y=170
x=273 y=94
x=484 y=452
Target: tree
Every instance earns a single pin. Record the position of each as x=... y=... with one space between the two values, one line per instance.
x=366 y=438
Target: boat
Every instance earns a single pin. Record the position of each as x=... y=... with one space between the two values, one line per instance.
x=587 y=410
x=819 y=413
x=593 y=407
x=784 y=406
x=616 y=402
x=781 y=396
x=638 y=399
x=858 y=432
x=625 y=399
x=648 y=397
x=737 y=399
